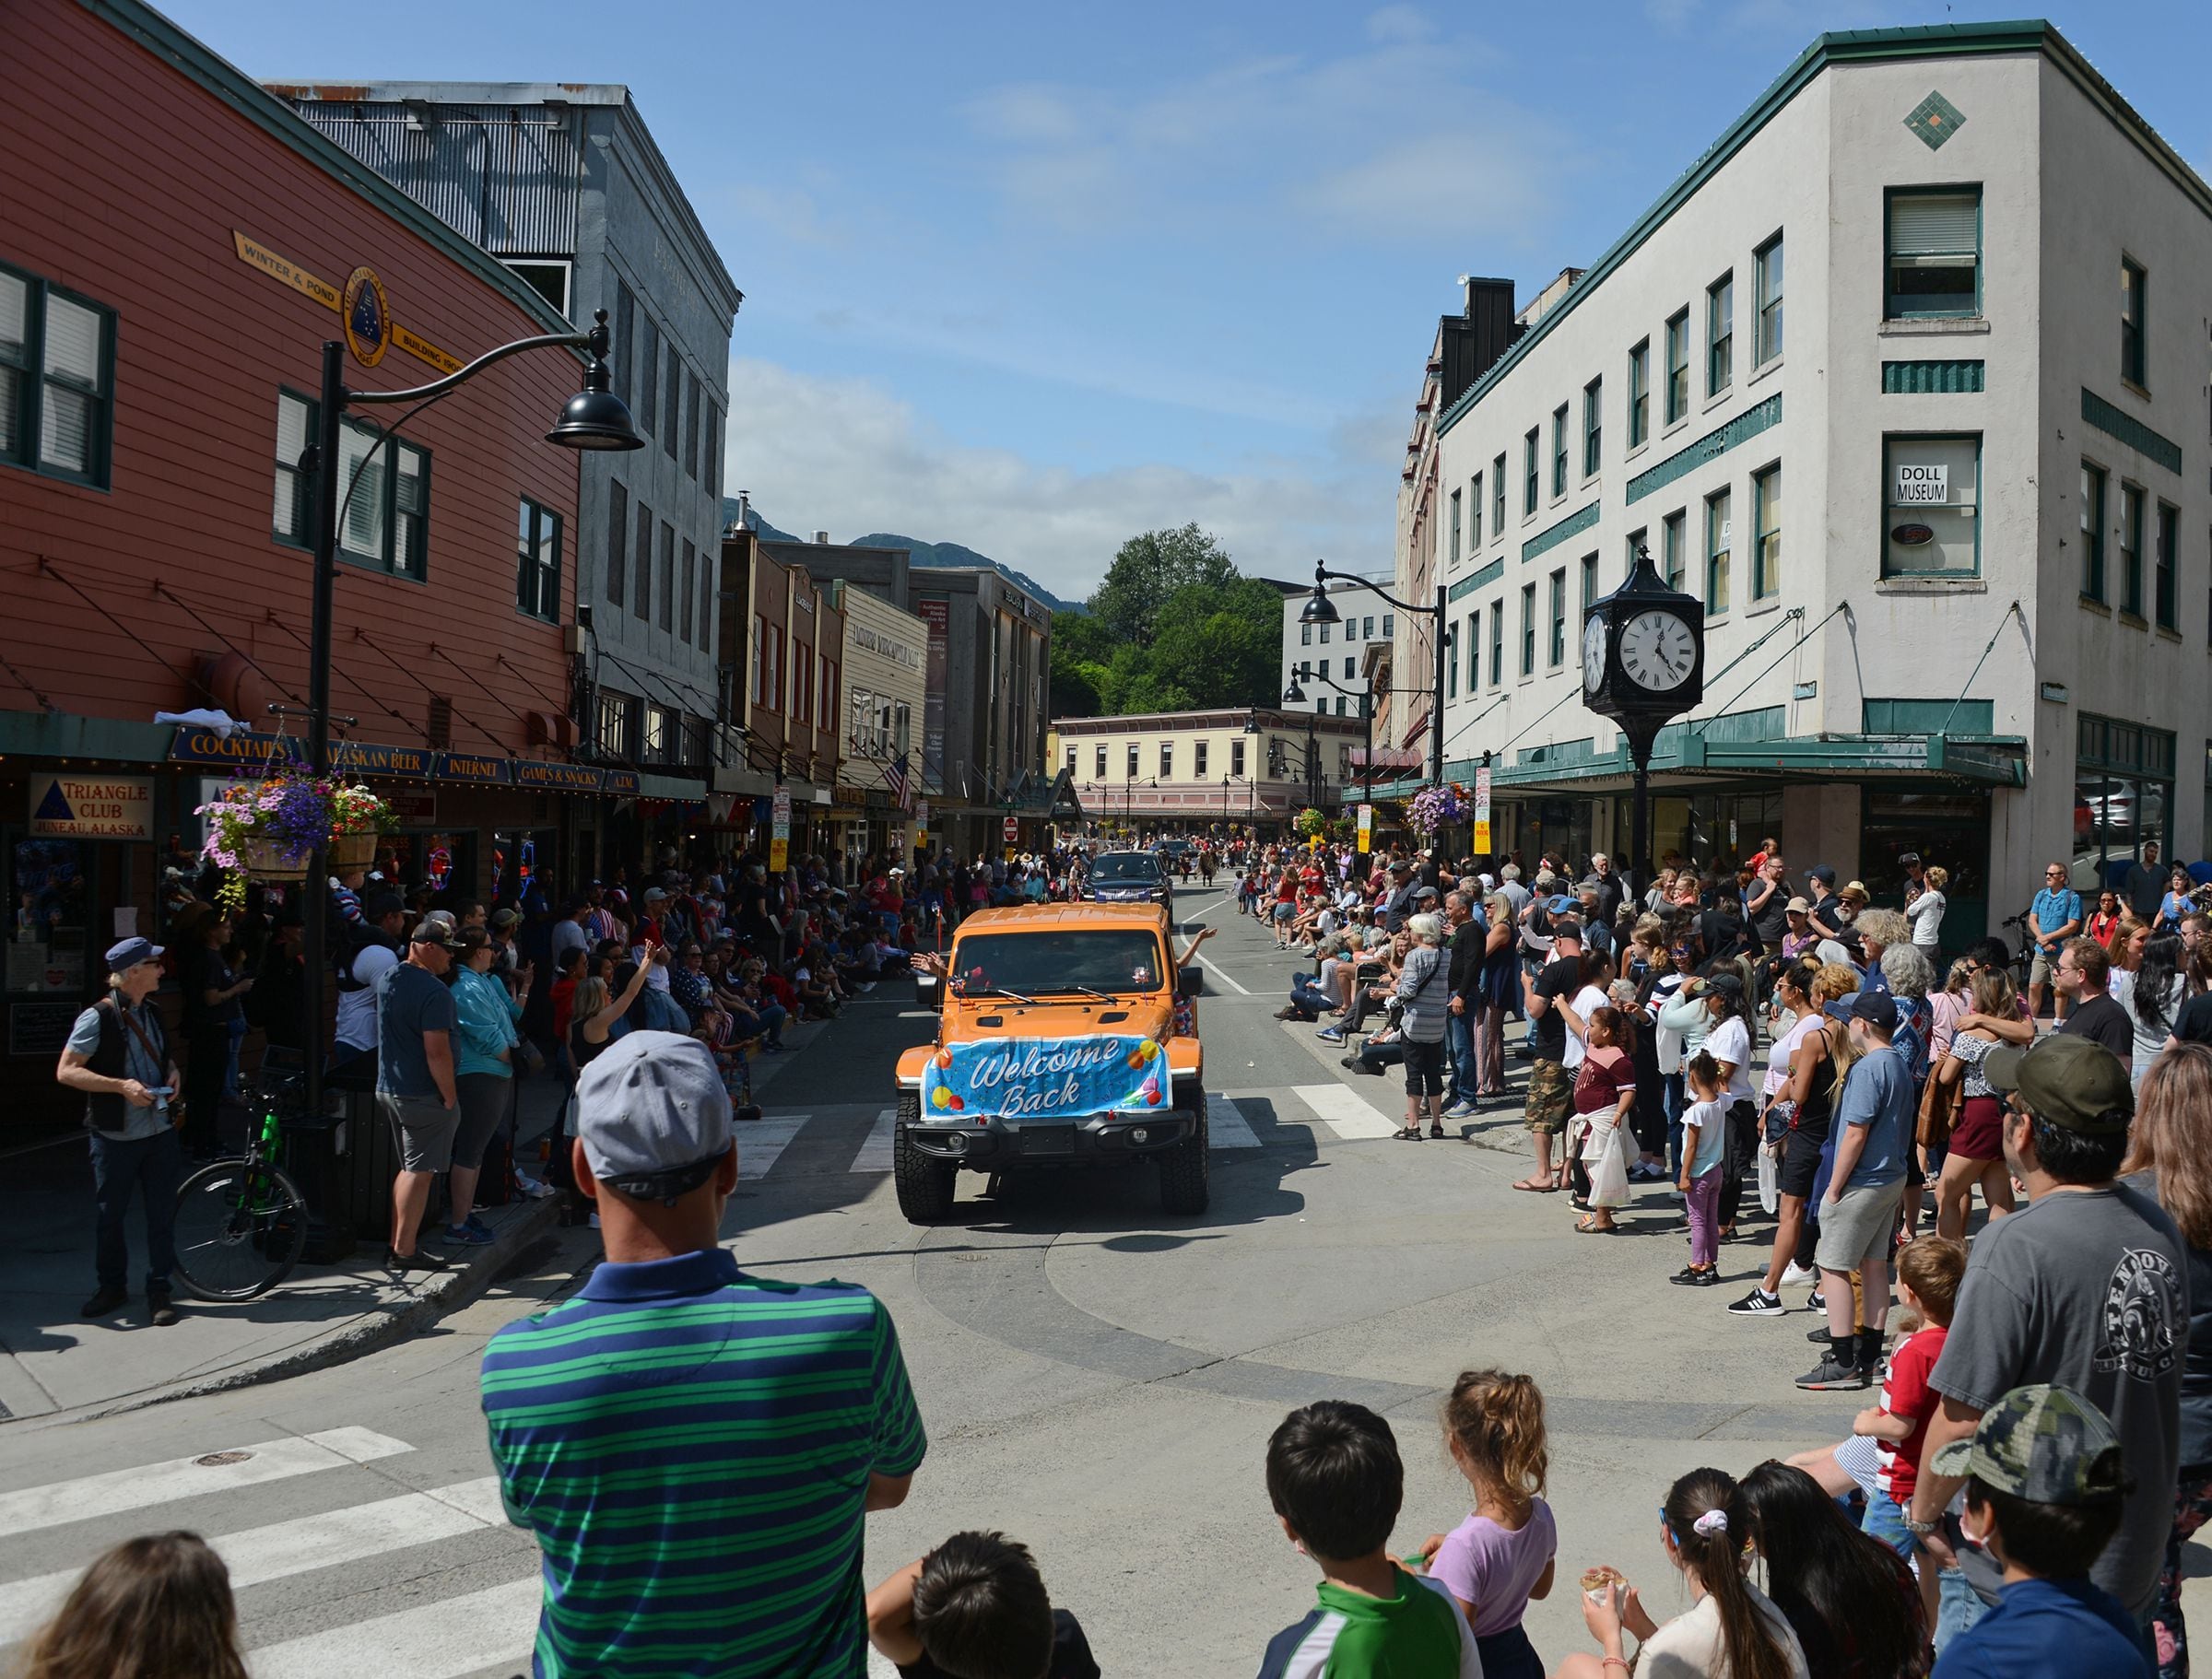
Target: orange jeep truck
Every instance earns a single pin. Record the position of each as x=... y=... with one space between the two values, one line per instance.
x=1066 y=1037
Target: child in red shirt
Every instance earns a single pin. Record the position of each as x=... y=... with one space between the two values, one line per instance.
x=1928 y=1273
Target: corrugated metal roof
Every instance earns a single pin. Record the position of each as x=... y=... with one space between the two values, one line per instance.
x=506 y=176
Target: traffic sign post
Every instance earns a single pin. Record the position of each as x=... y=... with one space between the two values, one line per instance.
x=1011 y=830
x=1482 y=811
x=779 y=831
x=1367 y=828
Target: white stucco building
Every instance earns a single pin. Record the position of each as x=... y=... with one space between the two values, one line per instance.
x=1907 y=378
x=1337 y=651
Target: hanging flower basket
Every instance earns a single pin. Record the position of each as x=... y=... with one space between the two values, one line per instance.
x=268 y=861
x=354 y=850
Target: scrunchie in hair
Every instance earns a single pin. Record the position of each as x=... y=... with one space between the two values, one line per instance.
x=1709 y=1523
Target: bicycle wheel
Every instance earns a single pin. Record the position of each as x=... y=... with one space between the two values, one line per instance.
x=240 y=1226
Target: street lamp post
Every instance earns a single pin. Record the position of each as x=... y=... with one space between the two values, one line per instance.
x=1320 y=609
x=1296 y=694
x=593 y=418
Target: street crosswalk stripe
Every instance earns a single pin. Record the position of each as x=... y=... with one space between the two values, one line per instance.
x=875 y=1153
x=761 y=1142
x=1343 y=1112
x=439 y=1641
x=119 y=1490
x=1226 y=1124
x=298 y=1546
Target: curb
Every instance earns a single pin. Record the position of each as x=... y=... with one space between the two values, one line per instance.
x=447 y=1291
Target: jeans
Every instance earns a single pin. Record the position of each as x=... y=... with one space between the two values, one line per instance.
x=1885 y=1521
x=151 y=1167
x=1459 y=1046
x=1957 y=1606
x=1307 y=997
x=1676 y=1100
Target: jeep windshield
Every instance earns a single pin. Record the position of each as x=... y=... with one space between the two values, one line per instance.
x=1124 y=869
x=1108 y=960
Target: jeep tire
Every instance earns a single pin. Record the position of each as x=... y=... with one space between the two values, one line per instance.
x=926 y=1186
x=1182 y=1169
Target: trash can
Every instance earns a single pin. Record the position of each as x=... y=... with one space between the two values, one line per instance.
x=314 y=1161
x=370 y=1160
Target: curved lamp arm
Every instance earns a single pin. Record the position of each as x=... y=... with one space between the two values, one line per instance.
x=1322 y=574
x=595 y=341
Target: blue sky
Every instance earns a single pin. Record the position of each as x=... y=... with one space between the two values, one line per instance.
x=1034 y=278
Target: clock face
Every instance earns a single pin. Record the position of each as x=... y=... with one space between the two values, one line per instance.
x=1593 y=654
x=1657 y=652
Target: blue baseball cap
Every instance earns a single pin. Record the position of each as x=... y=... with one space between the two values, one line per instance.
x=127 y=955
x=1562 y=905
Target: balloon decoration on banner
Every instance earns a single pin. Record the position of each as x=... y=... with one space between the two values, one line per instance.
x=1047 y=1078
x=438 y=868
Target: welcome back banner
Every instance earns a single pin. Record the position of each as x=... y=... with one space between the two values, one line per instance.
x=1045 y=1077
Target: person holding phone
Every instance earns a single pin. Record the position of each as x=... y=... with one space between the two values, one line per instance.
x=118 y=1054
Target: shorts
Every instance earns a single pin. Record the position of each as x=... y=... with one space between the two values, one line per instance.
x=423 y=1128
x=1857 y=1227
x=485 y=1100
x=1800 y=1163
x=1551 y=1096
x=1424 y=1067
x=1979 y=1132
x=1284 y=911
x=2040 y=968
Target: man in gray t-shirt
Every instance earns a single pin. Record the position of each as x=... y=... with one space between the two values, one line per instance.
x=415 y=1084
x=2086 y=1286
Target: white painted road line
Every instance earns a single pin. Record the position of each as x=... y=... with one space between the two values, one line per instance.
x=441 y=1641
x=1343 y=1112
x=761 y=1142
x=298 y=1546
x=131 y=1489
x=1216 y=968
x=875 y=1153
x=1227 y=1126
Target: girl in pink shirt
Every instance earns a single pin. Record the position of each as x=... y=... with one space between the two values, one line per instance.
x=1504 y=1554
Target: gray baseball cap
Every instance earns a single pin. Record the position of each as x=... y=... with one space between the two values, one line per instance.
x=652 y=1115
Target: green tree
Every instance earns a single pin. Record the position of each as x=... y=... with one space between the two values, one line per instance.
x=1222 y=644
x=1081 y=651
x=1147 y=569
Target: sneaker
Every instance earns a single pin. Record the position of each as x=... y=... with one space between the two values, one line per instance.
x=1815 y=1301
x=477 y=1225
x=422 y=1259
x=1797 y=1274
x=1693 y=1276
x=1834 y=1373
x=868 y=985
x=105 y=1301
x=1331 y=1034
x=1462 y=1109
x=162 y=1308
x=1758 y=1303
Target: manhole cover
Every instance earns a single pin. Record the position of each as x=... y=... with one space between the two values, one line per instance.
x=216 y=1460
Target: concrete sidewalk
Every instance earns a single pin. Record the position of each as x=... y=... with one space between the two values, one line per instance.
x=54 y=1365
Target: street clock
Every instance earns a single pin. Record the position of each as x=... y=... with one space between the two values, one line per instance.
x=1643 y=652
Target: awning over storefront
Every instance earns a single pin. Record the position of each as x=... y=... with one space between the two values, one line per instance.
x=1683 y=756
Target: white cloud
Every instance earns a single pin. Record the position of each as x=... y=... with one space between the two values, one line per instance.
x=1399 y=23
x=842 y=454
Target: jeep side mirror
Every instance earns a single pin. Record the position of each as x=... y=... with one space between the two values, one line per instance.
x=928 y=992
x=1190 y=981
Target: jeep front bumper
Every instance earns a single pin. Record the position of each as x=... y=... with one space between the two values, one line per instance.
x=995 y=1143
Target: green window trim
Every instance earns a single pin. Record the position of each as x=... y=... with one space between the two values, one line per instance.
x=1720 y=538
x=1478 y=579
x=1674 y=543
x=1934 y=231
x=1720 y=334
x=2165 y=592
x=537 y=562
x=1677 y=365
x=1475 y=513
x=389 y=501
x=2131 y=549
x=1558 y=643
x=32 y=385
x=1766 y=302
x=1888 y=566
x=1559 y=450
x=2134 y=323
x=1529 y=480
x=1594 y=404
x=1965 y=717
x=1640 y=394
x=2096 y=492
x=1766 y=534
x=1528 y=629
x=1498 y=495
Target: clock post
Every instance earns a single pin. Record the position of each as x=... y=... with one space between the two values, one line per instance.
x=1643 y=665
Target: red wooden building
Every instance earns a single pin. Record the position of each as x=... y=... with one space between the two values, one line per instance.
x=174 y=245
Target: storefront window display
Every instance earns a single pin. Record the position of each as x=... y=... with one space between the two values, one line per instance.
x=2123 y=796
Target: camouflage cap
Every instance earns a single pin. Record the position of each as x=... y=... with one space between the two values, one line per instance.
x=2066 y=1080
x=2042 y=1443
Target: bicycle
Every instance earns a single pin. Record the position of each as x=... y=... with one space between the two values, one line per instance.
x=242 y=1223
x=2022 y=961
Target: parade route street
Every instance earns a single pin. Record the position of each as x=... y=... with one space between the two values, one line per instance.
x=1097 y=1379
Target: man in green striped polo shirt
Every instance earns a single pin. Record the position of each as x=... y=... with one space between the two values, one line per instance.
x=694 y=1448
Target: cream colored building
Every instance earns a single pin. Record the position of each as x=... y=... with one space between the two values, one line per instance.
x=884 y=689
x=1190 y=771
x=1939 y=479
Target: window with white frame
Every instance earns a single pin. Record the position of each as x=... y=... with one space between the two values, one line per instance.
x=1766 y=335
x=1933 y=265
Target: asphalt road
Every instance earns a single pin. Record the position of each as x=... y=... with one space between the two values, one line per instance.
x=1098 y=1380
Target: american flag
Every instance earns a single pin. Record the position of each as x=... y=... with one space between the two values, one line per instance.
x=902 y=784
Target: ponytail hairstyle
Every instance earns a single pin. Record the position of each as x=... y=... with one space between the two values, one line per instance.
x=1496 y=1420
x=1703 y=1070
x=1619 y=1025
x=1711 y=1526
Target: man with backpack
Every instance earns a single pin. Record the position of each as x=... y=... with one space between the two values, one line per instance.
x=118 y=1055
x=367 y=952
